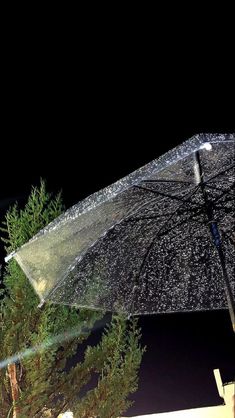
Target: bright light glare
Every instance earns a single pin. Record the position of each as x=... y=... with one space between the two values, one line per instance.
x=64 y=336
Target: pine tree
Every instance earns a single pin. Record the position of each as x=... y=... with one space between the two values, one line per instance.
x=38 y=385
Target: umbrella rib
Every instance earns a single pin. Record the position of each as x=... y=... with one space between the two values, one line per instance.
x=161 y=229
x=168 y=219
x=141 y=218
x=218 y=174
x=129 y=218
x=166 y=181
x=161 y=193
x=152 y=244
x=191 y=218
x=227 y=191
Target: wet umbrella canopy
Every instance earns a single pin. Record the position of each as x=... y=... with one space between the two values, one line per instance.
x=159 y=240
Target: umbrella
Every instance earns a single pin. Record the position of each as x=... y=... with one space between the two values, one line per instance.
x=159 y=240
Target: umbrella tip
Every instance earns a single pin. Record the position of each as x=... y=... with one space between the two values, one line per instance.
x=206 y=146
x=41 y=303
x=9 y=256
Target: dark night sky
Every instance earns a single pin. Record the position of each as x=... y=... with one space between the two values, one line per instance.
x=81 y=134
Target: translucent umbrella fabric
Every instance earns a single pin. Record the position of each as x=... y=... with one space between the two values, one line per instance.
x=142 y=245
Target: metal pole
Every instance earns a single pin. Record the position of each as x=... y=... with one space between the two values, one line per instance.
x=213 y=226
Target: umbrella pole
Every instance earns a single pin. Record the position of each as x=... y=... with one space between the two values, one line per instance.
x=216 y=239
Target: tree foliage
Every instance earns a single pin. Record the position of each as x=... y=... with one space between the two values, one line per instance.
x=45 y=387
